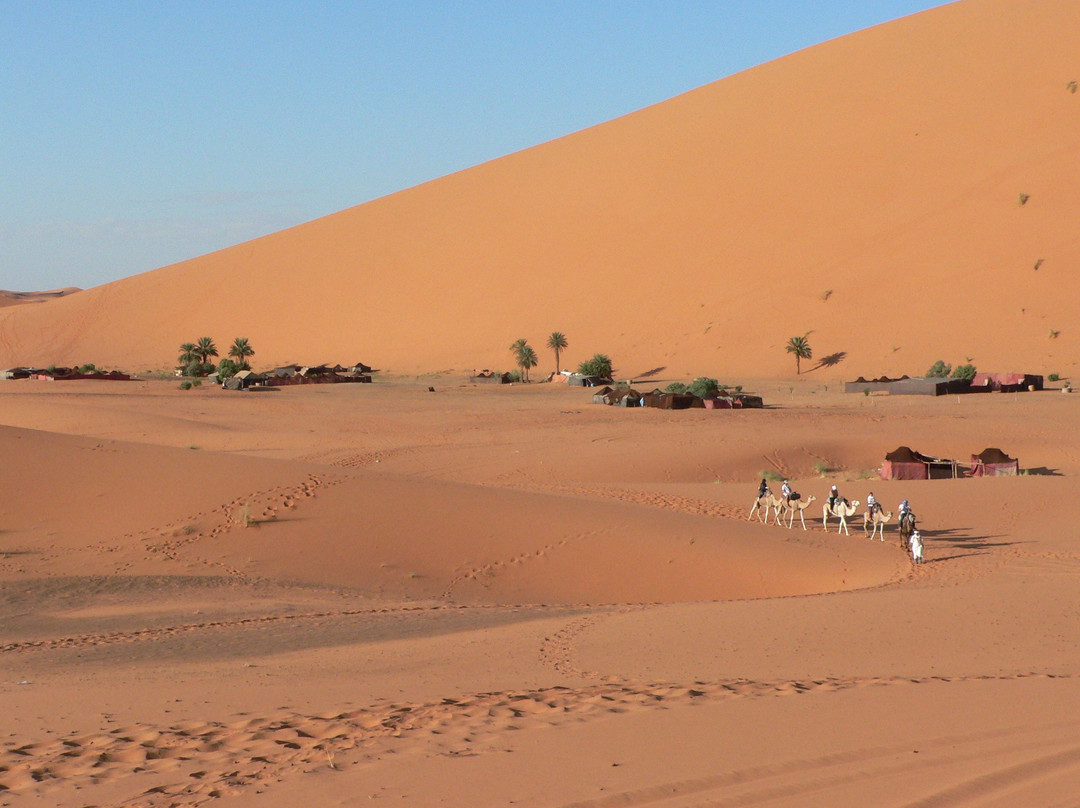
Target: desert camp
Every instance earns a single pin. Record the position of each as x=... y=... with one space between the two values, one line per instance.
x=485 y=576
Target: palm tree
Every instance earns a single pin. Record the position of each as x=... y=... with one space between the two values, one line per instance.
x=524 y=356
x=240 y=351
x=205 y=348
x=516 y=348
x=527 y=359
x=188 y=354
x=801 y=348
x=557 y=342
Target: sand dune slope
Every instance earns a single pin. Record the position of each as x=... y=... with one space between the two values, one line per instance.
x=903 y=194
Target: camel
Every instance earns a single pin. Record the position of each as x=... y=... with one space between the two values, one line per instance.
x=841 y=510
x=907 y=527
x=762 y=505
x=798 y=506
x=876 y=521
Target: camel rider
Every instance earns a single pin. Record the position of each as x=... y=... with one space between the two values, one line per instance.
x=834 y=498
x=789 y=495
x=872 y=505
x=763 y=489
x=904 y=510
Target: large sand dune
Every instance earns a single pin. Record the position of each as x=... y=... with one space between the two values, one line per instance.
x=866 y=191
x=425 y=592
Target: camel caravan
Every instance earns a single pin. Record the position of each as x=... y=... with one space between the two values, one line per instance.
x=768 y=507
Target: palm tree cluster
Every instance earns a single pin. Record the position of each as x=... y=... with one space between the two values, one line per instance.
x=195 y=356
x=525 y=356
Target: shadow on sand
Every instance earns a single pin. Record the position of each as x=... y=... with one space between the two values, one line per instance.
x=959 y=539
x=648 y=374
x=832 y=360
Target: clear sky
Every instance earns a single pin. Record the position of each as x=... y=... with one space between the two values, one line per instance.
x=137 y=134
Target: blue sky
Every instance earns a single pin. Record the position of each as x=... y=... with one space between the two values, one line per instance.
x=137 y=134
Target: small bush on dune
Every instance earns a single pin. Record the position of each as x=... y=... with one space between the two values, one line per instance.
x=675 y=387
x=1053 y=377
x=771 y=476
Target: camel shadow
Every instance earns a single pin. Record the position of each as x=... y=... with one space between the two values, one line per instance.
x=953 y=557
x=959 y=539
x=832 y=360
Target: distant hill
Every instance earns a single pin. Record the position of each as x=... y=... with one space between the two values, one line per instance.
x=900 y=195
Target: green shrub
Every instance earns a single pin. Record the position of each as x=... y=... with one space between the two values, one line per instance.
x=86 y=369
x=939 y=370
x=1053 y=377
x=185 y=385
x=771 y=476
x=196 y=368
x=964 y=372
x=675 y=387
x=821 y=468
x=514 y=375
x=599 y=365
x=227 y=367
x=703 y=386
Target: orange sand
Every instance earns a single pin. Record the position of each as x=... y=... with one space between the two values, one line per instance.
x=486 y=596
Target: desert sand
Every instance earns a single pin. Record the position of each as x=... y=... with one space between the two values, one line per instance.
x=346 y=595
x=865 y=191
x=508 y=595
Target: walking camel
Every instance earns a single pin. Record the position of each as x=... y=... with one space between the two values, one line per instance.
x=764 y=504
x=876 y=521
x=796 y=506
x=907 y=527
x=841 y=510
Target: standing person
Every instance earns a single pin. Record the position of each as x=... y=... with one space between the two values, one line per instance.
x=916 y=548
